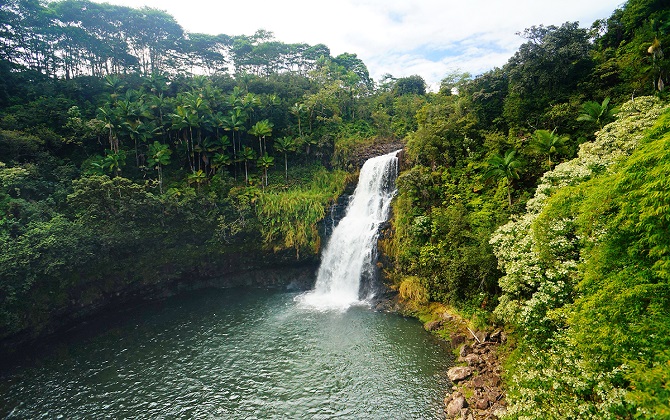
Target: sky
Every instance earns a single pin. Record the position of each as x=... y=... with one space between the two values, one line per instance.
x=430 y=38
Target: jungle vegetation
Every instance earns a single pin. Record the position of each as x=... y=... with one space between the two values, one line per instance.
x=535 y=194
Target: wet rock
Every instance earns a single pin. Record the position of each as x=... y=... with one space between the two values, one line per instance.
x=459 y=373
x=466 y=414
x=493 y=395
x=496 y=335
x=478 y=382
x=380 y=147
x=432 y=325
x=454 y=403
x=472 y=359
x=457 y=339
x=482 y=404
x=447 y=317
x=482 y=336
x=496 y=381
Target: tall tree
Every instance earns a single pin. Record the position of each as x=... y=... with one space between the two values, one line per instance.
x=265 y=162
x=547 y=69
x=410 y=85
x=549 y=143
x=159 y=156
x=298 y=110
x=507 y=167
x=261 y=129
x=247 y=154
x=284 y=145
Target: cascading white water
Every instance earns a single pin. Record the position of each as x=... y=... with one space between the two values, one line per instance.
x=349 y=255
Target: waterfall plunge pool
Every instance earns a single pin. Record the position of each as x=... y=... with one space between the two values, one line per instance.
x=235 y=353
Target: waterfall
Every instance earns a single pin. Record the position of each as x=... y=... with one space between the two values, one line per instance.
x=350 y=254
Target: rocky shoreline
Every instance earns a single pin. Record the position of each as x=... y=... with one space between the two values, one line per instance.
x=478 y=391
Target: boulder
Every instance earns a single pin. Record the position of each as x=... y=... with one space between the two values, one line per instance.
x=482 y=404
x=496 y=335
x=482 y=336
x=433 y=325
x=458 y=373
x=447 y=317
x=457 y=339
x=466 y=414
x=453 y=404
x=472 y=359
x=496 y=381
x=478 y=382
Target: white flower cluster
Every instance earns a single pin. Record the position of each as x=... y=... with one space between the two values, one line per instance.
x=546 y=384
x=530 y=283
x=537 y=285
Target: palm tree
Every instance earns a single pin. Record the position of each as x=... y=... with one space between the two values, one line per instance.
x=115 y=84
x=157 y=103
x=250 y=101
x=506 y=167
x=97 y=165
x=219 y=160
x=114 y=161
x=548 y=143
x=309 y=141
x=138 y=130
x=184 y=119
x=297 y=110
x=198 y=108
x=235 y=123
x=265 y=162
x=198 y=177
x=600 y=114
x=156 y=83
x=234 y=100
x=246 y=155
x=285 y=145
x=261 y=129
x=112 y=123
x=159 y=155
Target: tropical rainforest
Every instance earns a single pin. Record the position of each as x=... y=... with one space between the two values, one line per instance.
x=534 y=195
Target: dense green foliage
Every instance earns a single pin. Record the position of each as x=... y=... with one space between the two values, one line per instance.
x=585 y=278
x=120 y=168
x=578 y=272
x=534 y=194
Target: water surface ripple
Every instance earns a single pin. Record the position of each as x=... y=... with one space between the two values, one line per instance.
x=235 y=354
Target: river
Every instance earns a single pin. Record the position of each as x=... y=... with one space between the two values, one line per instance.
x=234 y=354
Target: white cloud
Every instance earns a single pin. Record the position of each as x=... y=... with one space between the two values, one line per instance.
x=427 y=37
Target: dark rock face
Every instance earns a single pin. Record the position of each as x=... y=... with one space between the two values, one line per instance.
x=358 y=157
x=229 y=271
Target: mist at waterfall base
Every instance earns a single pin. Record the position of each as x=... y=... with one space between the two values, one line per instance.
x=350 y=255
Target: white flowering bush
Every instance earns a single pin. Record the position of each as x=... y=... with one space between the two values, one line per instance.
x=542 y=254
x=532 y=285
x=557 y=382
